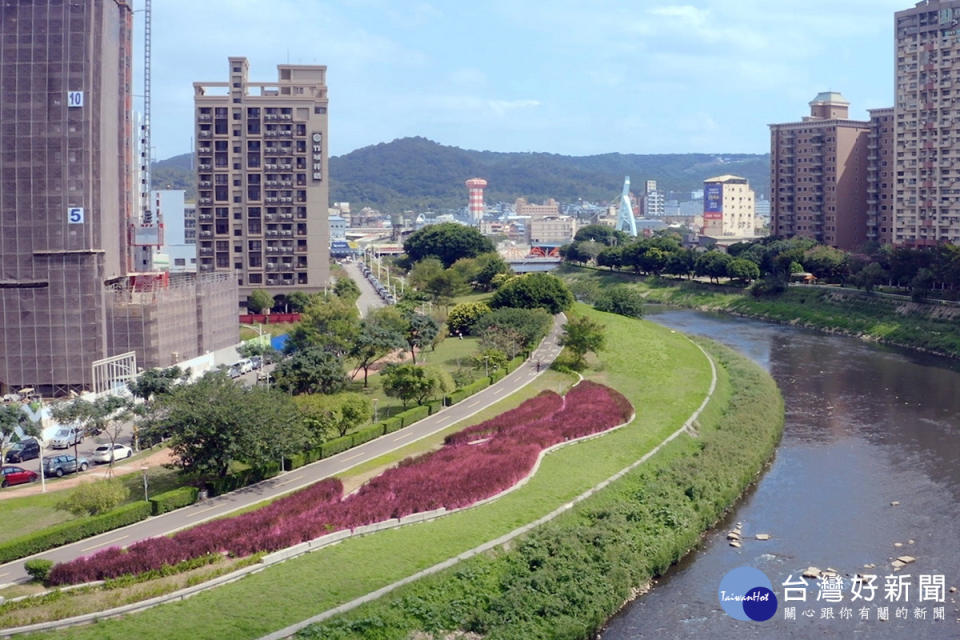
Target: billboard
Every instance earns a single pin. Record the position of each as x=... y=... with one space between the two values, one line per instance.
x=713 y=201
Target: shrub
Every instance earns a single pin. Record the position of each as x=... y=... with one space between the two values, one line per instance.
x=335 y=446
x=39 y=568
x=367 y=434
x=174 y=499
x=621 y=299
x=488 y=459
x=92 y=498
x=72 y=531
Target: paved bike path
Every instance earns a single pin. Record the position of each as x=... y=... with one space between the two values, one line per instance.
x=304 y=476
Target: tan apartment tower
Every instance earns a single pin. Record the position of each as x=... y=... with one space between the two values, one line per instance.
x=263 y=187
x=729 y=209
x=881 y=176
x=65 y=185
x=818 y=175
x=927 y=140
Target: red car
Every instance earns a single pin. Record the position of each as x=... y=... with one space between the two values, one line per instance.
x=16 y=475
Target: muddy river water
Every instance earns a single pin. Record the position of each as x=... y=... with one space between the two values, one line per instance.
x=866 y=426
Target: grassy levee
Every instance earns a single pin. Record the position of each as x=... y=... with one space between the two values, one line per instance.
x=663 y=375
x=565 y=580
x=922 y=326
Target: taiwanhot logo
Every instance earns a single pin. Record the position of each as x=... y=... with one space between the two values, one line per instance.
x=747 y=594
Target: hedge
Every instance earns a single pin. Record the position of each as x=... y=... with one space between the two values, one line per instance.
x=367 y=434
x=243 y=478
x=73 y=530
x=335 y=446
x=174 y=499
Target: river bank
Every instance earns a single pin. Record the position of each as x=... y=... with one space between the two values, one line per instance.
x=926 y=327
x=568 y=577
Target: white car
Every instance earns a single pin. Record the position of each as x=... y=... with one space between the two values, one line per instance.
x=108 y=453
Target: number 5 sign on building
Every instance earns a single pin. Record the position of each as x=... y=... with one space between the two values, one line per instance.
x=75 y=215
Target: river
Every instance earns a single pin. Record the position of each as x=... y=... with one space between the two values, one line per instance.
x=866 y=426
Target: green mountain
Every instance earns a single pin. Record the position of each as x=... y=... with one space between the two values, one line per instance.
x=419 y=174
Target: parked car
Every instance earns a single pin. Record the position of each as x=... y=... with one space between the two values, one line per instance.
x=24 y=450
x=109 y=453
x=256 y=361
x=66 y=437
x=245 y=365
x=59 y=465
x=235 y=372
x=17 y=475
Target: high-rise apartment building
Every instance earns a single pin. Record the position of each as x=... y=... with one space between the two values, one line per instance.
x=927 y=131
x=65 y=184
x=881 y=176
x=653 y=204
x=818 y=175
x=263 y=188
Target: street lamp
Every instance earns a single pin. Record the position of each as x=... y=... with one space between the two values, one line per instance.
x=146 y=489
x=486 y=369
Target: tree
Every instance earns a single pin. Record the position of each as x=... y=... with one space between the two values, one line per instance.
x=680 y=263
x=338 y=414
x=712 y=264
x=12 y=417
x=298 y=301
x=156 y=382
x=868 y=277
x=444 y=285
x=602 y=234
x=255 y=348
x=347 y=289
x=215 y=422
x=490 y=265
x=462 y=317
x=743 y=270
x=420 y=331
x=310 y=370
x=582 y=335
x=102 y=415
x=826 y=263
x=258 y=300
x=527 y=325
x=330 y=323
x=92 y=498
x=424 y=271
x=406 y=382
x=448 y=242
x=921 y=285
x=621 y=299
x=534 y=290
x=611 y=257
x=375 y=341
x=489 y=360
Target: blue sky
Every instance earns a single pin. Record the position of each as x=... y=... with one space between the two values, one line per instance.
x=570 y=77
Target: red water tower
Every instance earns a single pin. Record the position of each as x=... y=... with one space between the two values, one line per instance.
x=475 y=187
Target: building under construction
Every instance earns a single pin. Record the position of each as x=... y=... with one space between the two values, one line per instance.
x=68 y=297
x=167 y=319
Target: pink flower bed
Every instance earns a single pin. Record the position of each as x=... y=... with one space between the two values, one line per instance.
x=458 y=475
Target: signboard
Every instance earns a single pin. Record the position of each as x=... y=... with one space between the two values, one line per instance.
x=74 y=98
x=713 y=197
x=317 y=156
x=75 y=215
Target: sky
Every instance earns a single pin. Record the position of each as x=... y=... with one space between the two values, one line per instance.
x=574 y=77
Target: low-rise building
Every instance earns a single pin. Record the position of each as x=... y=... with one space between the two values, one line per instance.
x=552 y=230
x=728 y=208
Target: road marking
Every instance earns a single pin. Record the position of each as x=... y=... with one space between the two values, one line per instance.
x=101 y=544
x=287 y=481
x=208 y=509
x=402 y=436
x=354 y=456
x=4 y=574
x=472 y=404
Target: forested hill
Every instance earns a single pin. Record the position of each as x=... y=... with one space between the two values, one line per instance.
x=419 y=174
x=416 y=173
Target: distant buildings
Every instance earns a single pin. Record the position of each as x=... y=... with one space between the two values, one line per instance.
x=338 y=228
x=262 y=180
x=551 y=230
x=179 y=229
x=652 y=204
x=549 y=208
x=728 y=208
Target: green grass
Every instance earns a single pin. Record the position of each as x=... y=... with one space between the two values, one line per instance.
x=23 y=515
x=663 y=375
x=848 y=311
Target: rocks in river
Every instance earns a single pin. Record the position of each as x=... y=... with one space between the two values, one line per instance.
x=735 y=544
x=762 y=536
x=733 y=535
x=895 y=503
x=898 y=544
x=910 y=541
x=906 y=559
x=953 y=589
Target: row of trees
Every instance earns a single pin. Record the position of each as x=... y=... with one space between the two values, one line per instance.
x=921 y=270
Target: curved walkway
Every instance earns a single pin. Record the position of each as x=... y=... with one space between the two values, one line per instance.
x=687 y=426
x=304 y=476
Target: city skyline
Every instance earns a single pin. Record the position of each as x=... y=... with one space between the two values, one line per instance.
x=664 y=78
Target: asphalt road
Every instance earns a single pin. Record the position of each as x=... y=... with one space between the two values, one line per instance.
x=304 y=476
x=369 y=298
